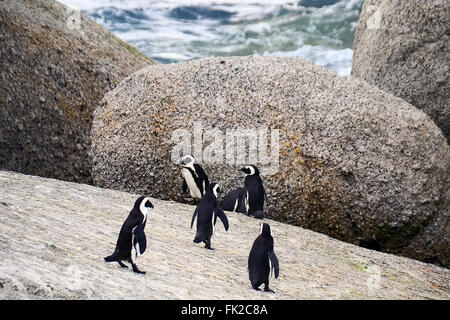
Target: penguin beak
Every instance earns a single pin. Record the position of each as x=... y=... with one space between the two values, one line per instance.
x=242 y=169
x=148 y=204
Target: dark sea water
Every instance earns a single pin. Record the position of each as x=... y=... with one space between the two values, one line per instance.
x=176 y=30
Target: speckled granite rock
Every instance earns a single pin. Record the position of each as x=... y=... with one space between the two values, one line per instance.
x=403 y=47
x=57 y=253
x=53 y=73
x=350 y=164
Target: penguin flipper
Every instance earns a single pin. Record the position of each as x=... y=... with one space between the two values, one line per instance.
x=219 y=213
x=140 y=238
x=184 y=185
x=274 y=263
x=193 y=216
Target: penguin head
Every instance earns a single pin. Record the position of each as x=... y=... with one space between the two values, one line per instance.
x=143 y=204
x=265 y=229
x=250 y=170
x=213 y=188
x=186 y=161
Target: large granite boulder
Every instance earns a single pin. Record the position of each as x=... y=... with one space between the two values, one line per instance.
x=403 y=47
x=55 y=67
x=337 y=155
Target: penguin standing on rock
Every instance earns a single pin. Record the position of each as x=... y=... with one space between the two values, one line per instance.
x=207 y=212
x=255 y=192
x=194 y=177
x=262 y=260
x=132 y=235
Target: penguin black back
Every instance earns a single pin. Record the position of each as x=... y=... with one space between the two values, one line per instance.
x=235 y=201
x=206 y=213
x=262 y=259
x=255 y=192
x=132 y=234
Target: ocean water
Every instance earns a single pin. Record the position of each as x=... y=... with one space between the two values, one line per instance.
x=177 y=30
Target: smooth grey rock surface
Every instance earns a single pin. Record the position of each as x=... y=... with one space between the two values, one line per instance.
x=54 y=235
x=55 y=67
x=355 y=162
x=403 y=47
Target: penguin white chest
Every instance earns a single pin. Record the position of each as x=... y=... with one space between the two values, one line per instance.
x=193 y=189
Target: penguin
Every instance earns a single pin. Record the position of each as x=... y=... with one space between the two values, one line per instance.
x=207 y=212
x=262 y=261
x=235 y=201
x=194 y=177
x=132 y=234
x=255 y=193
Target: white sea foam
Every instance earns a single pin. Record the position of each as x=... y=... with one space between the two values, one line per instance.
x=339 y=60
x=166 y=4
x=179 y=30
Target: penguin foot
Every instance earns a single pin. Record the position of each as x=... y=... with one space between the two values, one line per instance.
x=122 y=265
x=268 y=290
x=138 y=271
x=257 y=289
x=135 y=269
x=208 y=245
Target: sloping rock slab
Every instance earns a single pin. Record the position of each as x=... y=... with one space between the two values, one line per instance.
x=54 y=235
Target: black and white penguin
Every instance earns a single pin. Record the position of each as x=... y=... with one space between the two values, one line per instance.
x=255 y=192
x=235 y=201
x=132 y=234
x=262 y=261
x=194 y=177
x=207 y=212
